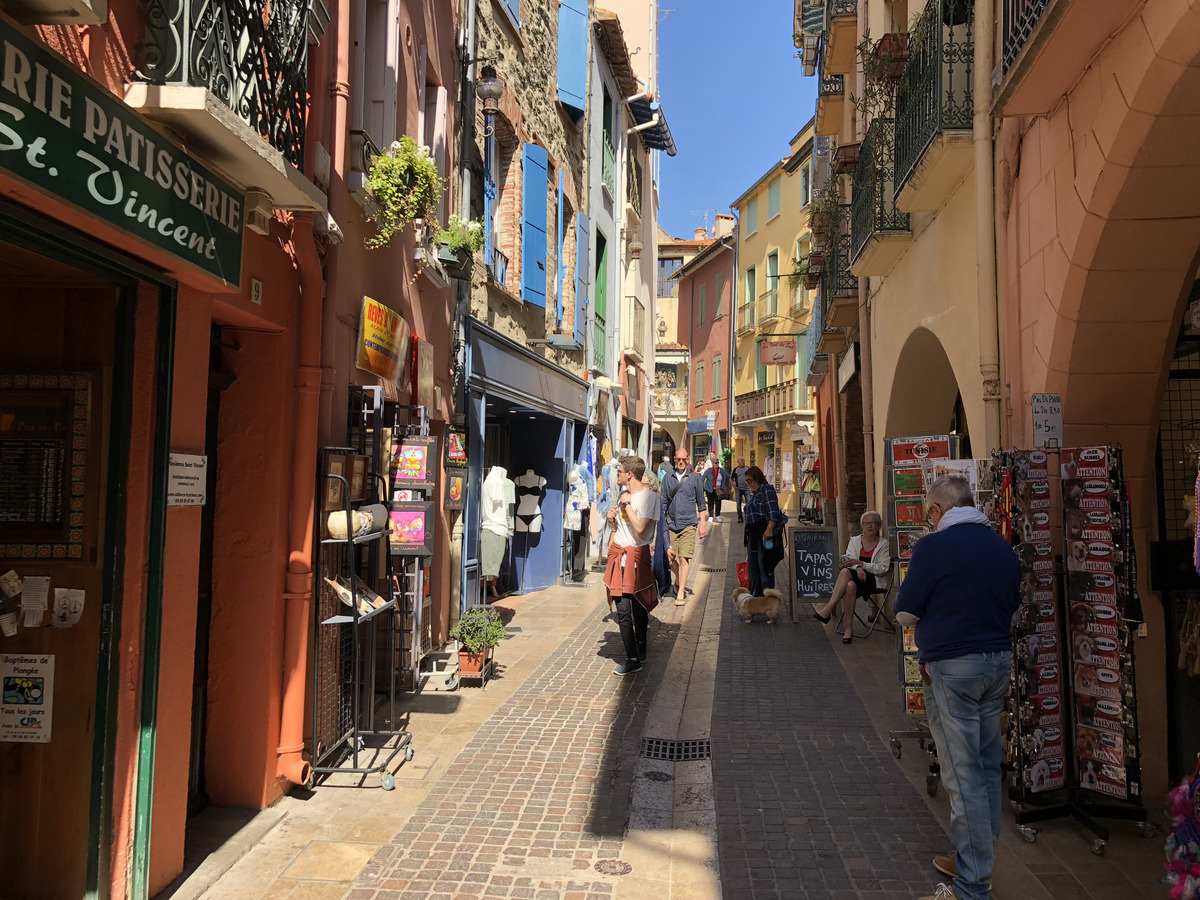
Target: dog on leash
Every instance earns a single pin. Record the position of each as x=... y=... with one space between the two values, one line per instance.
x=747 y=604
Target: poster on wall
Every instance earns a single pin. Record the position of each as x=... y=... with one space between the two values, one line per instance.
x=456 y=446
x=27 y=704
x=414 y=464
x=456 y=489
x=382 y=340
x=412 y=526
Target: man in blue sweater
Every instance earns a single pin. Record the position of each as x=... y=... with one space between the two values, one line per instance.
x=962 y=589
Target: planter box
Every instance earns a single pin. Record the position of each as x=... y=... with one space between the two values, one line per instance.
x=457 y=263
x=892 y=51
x=846 y=158
x=473 y=664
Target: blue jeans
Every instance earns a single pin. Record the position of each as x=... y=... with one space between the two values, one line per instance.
x=743 y=496
x=964 y=700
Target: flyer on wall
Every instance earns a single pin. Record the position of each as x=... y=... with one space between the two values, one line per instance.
x=27 y=705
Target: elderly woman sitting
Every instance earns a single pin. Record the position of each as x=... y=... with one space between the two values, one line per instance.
x=864 y=571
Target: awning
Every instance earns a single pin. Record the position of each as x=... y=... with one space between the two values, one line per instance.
x=658 y=135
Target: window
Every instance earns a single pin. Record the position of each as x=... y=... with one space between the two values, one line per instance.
x=806 y=184
x=718 y=294
x=773 y=198
x=700 y=291
x=752 y=216
x=772 y=284
x=760 y=369
x=600 y=304
x=535 y=210
x=499 y=156
x=668 y=287
x=751 y=285
x=434 y=134
x=716 y=363
x=699 y=397
x=514 y=10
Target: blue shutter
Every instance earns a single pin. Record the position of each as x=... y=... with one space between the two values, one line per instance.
x=560 y=243
x=582 y=272
x=572 y=56
x=533 y=225
x=489 y=193
x=514 y=10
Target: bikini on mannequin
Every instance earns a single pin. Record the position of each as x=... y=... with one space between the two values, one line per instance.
x=530 y=488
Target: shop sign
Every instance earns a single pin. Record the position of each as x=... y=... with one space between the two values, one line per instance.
x=27 y=705
x=711 y=420
x=1047 y=420
x=69 y=136
x=187 y=480
x=847 y=367
x=915 y=450
x=698 y=426
x=382 y=340
x=778 y=353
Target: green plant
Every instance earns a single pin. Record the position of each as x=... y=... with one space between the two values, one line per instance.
x=727 y=457
x=479 y=629
x=405 y=184
x=462 y=235
x=825 y=212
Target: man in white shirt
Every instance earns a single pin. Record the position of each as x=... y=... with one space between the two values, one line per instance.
x=629 y=576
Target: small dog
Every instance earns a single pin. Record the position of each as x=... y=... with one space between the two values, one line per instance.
x=748 y=605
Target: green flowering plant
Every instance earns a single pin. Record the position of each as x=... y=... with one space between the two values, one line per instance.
x=405 y=185
x=479 y=629
x=460 y=234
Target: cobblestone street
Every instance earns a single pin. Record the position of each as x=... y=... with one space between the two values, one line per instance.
x=550 y=790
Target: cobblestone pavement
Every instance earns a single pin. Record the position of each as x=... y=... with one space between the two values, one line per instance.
x=810 y=803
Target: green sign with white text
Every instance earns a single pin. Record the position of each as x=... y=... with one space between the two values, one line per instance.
x=69 y=136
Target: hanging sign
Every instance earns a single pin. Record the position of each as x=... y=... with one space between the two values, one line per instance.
x=27 y=704
x=382 y=340
x=1047 y=420
x=698 y=426
x=69 y=136
x=778 y=353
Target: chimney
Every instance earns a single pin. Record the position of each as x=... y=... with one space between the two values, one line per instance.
x=701 y=234
x=723 y=226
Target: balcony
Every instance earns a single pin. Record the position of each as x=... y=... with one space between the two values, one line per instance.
x=669 y=403
x=232 y=78
x=841 y=286
x=768 y=308
x=879 y=231
x=841 y=36
x=745 y=319
x=608 y=166
x=781 y=400
x=634 y=329
x=1047 y=45
x=934 y=146
x=831 y=101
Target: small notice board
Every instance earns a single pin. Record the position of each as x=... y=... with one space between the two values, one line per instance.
x=814 y=559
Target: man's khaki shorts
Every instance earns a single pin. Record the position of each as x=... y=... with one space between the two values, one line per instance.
x=684 y=542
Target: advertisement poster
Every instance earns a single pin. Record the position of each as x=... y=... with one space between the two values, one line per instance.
x=27 y=706
x=382 y=340
x=908 y=482
x=914 y=451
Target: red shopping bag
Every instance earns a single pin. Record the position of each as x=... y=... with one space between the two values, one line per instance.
x=743 y=570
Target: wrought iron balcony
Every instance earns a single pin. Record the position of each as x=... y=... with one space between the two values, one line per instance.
x=745 y=319
x=1020 y=19
x=669 y=402
x=935 y=104
x=841 y=35
x=768 y=307
x=251 y=55
x=840 y=284
x=608 y=166
x=875 y=221
x=831 y=99
x=777 y=400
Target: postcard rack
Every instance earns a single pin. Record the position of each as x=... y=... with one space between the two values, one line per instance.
x=353 y=599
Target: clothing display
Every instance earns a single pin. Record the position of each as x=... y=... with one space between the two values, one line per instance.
x=530 y=488
x=577 y=498
x=498 y=496
x=491 y=553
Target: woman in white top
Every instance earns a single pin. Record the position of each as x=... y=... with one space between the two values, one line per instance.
x=629 y=575
x=864 y=571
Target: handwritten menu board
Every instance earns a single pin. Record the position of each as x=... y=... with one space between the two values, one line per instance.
x=813 y=560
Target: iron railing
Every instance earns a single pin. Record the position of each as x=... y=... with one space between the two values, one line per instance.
x=842 y=282
x=252 y=55
x=829 y=85
x=499 y=267
x=1020 y=19
x=745 y=319
x=768 y=306
x=778 y=399
x=841 y=8
x=608 y=166
x=935 y=93
x=873 y=207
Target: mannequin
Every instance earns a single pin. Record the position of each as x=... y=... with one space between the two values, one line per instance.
x=579 y=509
x=529 y=487
x=608 y=496
x=498 y=497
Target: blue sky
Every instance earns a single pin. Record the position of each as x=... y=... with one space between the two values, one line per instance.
x=733 y=93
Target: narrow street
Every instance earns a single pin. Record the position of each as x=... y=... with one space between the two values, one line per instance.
x=543 y=784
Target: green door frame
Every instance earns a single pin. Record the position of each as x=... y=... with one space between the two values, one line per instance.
x=29 y=230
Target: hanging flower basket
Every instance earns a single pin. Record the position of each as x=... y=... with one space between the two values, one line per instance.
x=405 y=186
x=458 y=263
x=846 y=158
x=459 y=241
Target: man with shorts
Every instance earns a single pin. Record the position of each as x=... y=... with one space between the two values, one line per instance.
x=687 y=516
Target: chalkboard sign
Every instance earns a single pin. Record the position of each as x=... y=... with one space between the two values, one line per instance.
x=814 y=559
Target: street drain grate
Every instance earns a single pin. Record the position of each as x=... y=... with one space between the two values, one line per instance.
x=710 y=569
x=677 y=751
x=613 y=867
x=658 y=776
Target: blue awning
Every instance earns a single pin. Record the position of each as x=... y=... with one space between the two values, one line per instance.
x=658 y=135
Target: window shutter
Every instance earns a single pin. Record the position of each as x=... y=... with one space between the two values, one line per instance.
x=717 y=295
x=514 y=10
x=582 y=271
x=560 y=242
x=489 y=195
x=533 y=225
x=572 y=56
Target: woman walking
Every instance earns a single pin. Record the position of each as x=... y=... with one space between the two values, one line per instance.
x=764 y=526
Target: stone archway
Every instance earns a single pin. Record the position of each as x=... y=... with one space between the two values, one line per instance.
x=924 y=388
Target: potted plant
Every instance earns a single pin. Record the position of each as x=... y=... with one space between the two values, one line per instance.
x=458 y=242
x=891 y=54
x=823 y=215
x=405 y=186
x=477 y=632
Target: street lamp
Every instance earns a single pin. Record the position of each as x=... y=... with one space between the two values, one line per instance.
x=489 y=89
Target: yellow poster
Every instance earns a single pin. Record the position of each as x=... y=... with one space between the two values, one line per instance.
x=382 y=340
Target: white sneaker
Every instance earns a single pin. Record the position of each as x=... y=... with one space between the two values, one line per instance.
x=718 y=519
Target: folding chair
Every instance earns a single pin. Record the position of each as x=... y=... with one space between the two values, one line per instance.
x=877 y=603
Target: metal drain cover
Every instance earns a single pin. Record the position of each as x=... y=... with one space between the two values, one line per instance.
x=710 y=569
x=613 y=867
x=677 y=751
x=658 y=776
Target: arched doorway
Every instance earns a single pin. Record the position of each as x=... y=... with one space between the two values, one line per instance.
x=925 y=398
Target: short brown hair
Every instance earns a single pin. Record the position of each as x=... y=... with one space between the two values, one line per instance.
x=754 y=473
x=635 y=466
